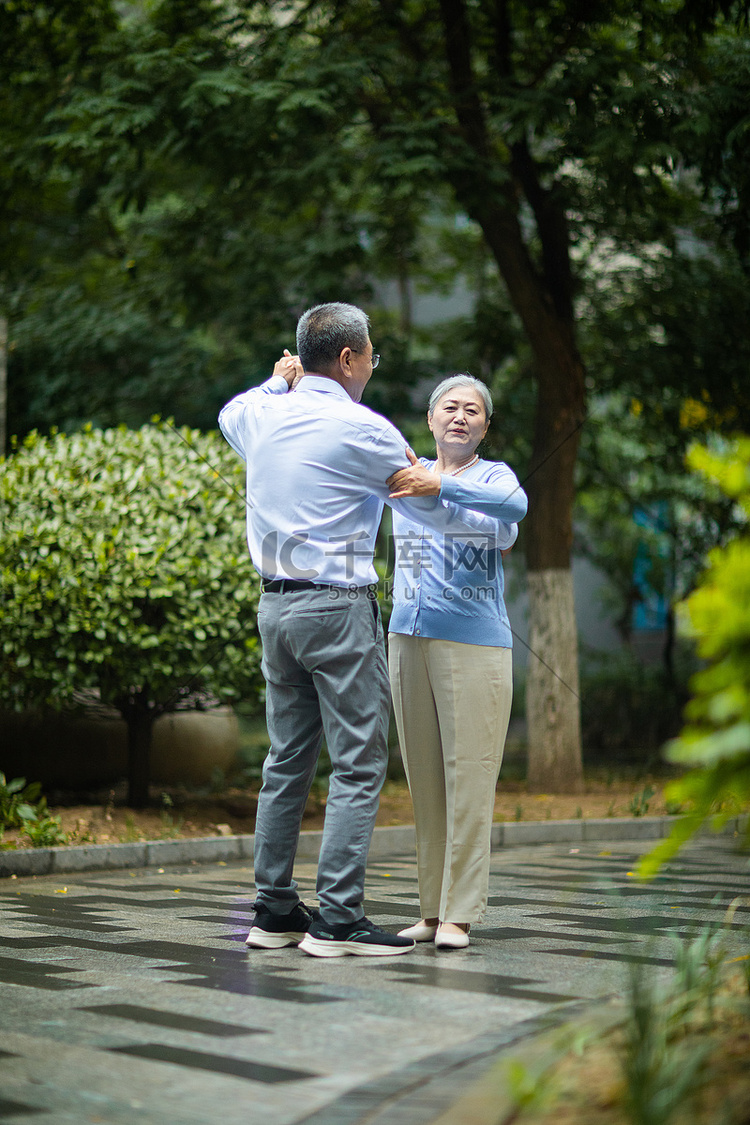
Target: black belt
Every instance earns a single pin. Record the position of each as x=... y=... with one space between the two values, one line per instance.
x=289 y=585
x=292 y=585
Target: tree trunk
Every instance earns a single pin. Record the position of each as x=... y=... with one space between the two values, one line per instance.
x=3 y=384
x=140 y=721
x=541 y=292
x=552 y=687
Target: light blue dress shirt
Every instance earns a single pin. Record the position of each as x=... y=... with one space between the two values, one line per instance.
x=317 y=463
x=452 y=588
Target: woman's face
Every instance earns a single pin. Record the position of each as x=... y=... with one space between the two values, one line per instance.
x=458 y=422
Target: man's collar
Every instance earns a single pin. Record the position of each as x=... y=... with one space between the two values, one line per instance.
x=323 y=383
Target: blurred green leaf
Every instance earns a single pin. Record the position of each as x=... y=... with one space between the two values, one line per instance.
x=715 y=742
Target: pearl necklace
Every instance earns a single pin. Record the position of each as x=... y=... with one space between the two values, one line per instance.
x=460 y=469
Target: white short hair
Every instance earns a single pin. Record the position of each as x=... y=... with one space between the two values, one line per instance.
x=461 y=381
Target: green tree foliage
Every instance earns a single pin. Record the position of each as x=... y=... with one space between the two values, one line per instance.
x=44 y=49
x=665 y=330
x=191 y=173
x=714 y=138
x=661 y=334
x=186 y=247
x=123 y=569
x=267 y=159
x=42 y=46
x=715 y=742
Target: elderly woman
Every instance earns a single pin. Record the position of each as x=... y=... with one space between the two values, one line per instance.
x=450 y=661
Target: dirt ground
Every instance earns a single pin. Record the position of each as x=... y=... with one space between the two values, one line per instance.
x=589 y=1085
x=174 y=814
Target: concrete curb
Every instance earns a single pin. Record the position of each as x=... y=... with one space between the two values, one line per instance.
x=386 y=843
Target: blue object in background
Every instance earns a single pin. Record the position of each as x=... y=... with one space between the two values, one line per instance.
x=650 y=613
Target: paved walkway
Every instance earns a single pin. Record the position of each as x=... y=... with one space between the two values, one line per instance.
x=129 y=997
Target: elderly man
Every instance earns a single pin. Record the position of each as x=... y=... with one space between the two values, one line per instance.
x=317 y=466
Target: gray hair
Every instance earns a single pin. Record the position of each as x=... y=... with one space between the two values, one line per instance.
x=461 y=381
x=323 y=331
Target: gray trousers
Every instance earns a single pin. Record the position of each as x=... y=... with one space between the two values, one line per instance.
x=326 y=674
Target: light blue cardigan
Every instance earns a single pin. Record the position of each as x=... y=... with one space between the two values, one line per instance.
x=451 y=588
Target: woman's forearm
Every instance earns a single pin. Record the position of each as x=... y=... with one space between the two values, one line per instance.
x=500 y=497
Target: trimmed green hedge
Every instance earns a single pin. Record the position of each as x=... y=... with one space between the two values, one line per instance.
x=124 y=569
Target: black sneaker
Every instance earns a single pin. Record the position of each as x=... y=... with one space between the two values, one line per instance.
x=361 y=939
x=274 y=931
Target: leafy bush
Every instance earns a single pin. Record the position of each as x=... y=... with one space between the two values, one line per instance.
x=667 y=1036
x=46 y=832
x=628 y=709
x=21 y=806
x=639 y=804
x=715 y=742
x=124 y=569
x=18 y=801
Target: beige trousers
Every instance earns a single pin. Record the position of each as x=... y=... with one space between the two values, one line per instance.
x=452 y=705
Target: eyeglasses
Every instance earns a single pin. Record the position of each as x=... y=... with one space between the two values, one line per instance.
x=374 y=358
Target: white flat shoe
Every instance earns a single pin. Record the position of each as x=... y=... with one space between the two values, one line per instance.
x=420 y=932
x=447 y=939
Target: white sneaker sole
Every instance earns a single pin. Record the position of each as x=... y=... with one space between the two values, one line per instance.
x=318 y=947
x=262 y=939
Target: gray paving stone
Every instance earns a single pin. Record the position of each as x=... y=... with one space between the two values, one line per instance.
x=128 y=996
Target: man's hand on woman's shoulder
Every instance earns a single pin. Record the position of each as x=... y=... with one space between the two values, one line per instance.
x=416 y=480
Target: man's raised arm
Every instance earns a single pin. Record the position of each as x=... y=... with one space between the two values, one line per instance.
x=287 y=372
